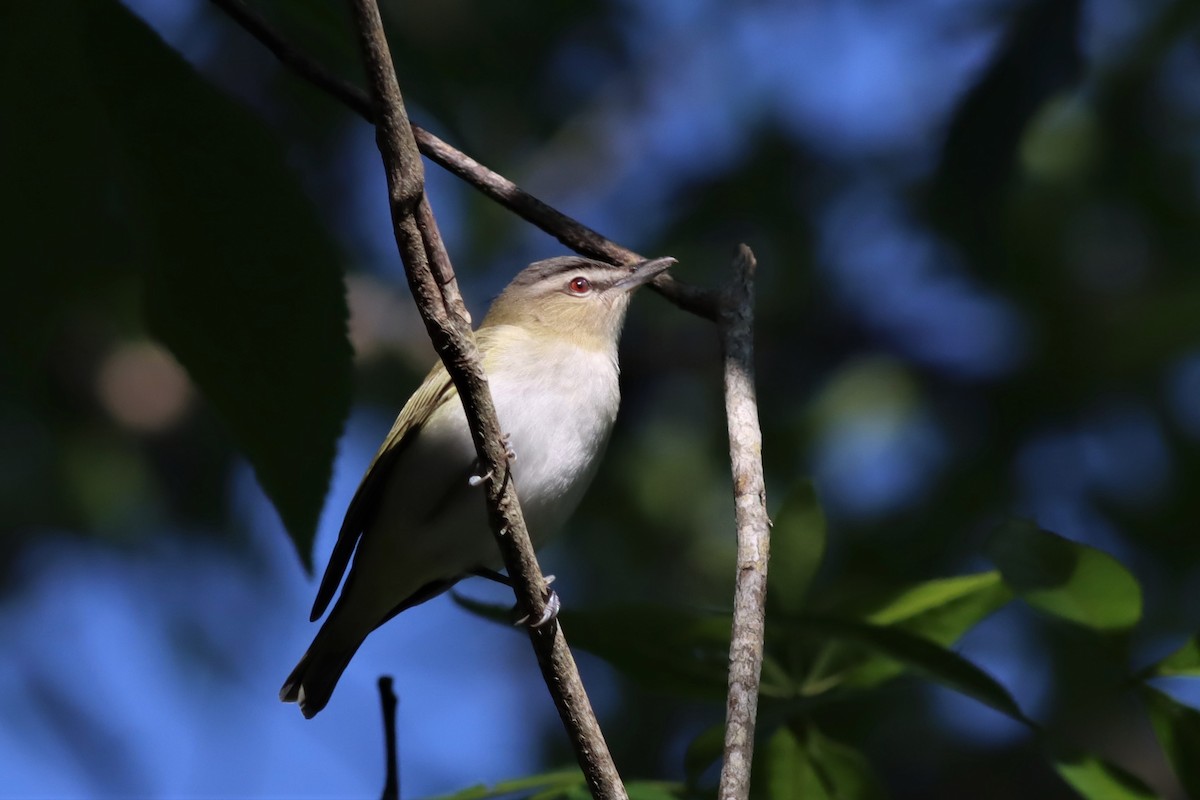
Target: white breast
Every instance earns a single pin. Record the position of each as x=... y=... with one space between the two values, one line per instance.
x=558 y=405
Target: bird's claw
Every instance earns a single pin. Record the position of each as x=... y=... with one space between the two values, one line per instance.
x=549 y=613
x=477 y=480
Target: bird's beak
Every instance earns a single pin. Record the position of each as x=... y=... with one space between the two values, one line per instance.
x=644 y=272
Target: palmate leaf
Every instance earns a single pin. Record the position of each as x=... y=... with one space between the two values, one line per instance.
x=687 y=652
x=811 y=766
x=1066 y=579
x=239 y=278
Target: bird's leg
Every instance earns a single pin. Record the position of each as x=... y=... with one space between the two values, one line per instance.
x=508 y=448
x=492 y=575
x=553 y=604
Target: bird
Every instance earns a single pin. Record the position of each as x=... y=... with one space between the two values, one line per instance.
x=416 y=525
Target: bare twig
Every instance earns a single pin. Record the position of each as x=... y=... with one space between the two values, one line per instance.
x=431 y=278
x=570 y=232
x=736 y=323
x=387 y=699
x=732 y=310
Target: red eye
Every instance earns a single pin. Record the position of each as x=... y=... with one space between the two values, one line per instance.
x=580 y=285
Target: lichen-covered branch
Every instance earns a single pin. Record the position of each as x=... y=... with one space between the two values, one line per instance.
x=736 y=323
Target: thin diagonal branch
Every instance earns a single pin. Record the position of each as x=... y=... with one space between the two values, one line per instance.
x=736 y=323
x=431 y=279
x=568 y=231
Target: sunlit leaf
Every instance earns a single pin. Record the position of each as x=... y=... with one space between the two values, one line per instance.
x=940 y=610
x=1178 y=729
x=1065 y=578
x=917 y=602
x=797 y=545
x=1096 y=779
x=1184 y=662
x=241 y=281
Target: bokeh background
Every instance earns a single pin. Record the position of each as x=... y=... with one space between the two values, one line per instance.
x=977 y=223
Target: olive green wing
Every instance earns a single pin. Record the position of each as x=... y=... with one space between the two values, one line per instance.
x=436 y=389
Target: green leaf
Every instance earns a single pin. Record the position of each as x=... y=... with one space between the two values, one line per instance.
x=1184 y=662
x=653 y=790
x=1097 y=779
x=556 y=784
x=675 y=650
x=940 y=610
x=1064 y=578
x=812 y=767
x=1178 y=729
x=797 y=545
x=921 y=602
x=241 y=281
x=919 y=654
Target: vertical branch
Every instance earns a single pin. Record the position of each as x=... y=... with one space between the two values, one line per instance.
x=736 y=324
x=431 y=278
x=387 y=699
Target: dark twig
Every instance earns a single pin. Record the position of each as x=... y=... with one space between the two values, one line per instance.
x=431 y=278
x=387 y=699
x=570 y=232
x=736 y=323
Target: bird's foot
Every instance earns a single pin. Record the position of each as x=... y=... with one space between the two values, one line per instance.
x=477 y=480
x=549 y=613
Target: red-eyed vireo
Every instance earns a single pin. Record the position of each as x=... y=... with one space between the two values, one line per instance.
x=416 y=525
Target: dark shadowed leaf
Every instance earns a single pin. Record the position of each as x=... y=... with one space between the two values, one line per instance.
x=676 y=650
x=913 y=652
x=1065 y=578
x=1097 y=779
x=812 y=766
x=241 y=281
x=703 y=751
x=1178 y=729
x=653 y=790
x=797 y=545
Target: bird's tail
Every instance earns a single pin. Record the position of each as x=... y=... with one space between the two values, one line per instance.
x=312 y=681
